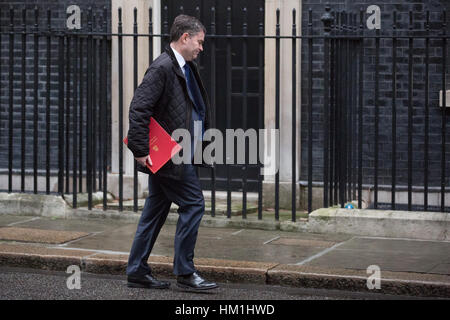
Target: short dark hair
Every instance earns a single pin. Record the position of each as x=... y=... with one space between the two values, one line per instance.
x=183 y=24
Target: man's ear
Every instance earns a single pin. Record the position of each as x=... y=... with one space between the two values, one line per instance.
x=184 y=36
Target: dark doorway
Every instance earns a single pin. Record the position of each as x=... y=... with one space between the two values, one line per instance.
x=231 y=115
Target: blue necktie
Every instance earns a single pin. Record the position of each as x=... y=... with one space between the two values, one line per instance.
x=198 y=112
x=194 y=91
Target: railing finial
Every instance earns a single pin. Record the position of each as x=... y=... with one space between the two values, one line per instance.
x=327 y=19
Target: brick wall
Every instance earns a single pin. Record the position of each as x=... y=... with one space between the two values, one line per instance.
x=58 y=22
x=385 y=92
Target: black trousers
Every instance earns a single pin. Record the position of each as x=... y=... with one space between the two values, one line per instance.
x=187 y=194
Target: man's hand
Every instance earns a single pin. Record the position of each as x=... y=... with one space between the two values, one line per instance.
x=144 y=160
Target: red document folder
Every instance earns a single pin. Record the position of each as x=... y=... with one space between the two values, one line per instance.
x=161 y=145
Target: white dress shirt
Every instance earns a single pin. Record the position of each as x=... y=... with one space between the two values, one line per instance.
x=179 y=58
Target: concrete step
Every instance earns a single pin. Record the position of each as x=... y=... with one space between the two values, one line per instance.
x=221 y=207
x=252 y=197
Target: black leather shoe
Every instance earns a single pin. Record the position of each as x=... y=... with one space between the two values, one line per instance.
x=195 y=282
x=146 y=281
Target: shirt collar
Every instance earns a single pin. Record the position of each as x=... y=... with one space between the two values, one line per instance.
x=179 y=58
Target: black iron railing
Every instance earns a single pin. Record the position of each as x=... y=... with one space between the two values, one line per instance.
x=344 y=77
x=356 y=112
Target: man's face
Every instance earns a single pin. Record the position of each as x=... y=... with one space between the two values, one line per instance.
x=193 y=45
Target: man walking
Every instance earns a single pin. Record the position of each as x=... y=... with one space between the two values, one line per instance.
x=173 y=93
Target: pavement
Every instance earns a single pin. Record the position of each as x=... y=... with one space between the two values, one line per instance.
x=99 y=243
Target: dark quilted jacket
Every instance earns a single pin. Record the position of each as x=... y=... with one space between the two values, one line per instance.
x=163 y=95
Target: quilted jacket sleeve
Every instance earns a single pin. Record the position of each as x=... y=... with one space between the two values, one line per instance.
x=142 y=107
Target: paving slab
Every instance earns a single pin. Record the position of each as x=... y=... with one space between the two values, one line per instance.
x=39 y=235
x=94 y=225
x=441 y=268
x=117 y=239
x=398 y=245
x=389 y=254
x=303 y=242
x=6 y=220
x=39 y=249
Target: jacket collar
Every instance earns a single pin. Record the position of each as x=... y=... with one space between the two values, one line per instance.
x=175 y=64
x=179 y=58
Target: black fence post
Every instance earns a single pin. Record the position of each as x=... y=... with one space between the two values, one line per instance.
x=332 y=135
x=277 y=113
x=341 y=112
x=361 y=104
x=82 y=76
x=89 y=72
x=444 y=107
x=244 y=111
x=346 y=106
x=75 y=121
x=199 y=57
x=260 y=103
x=213 y=104
x=427 y=112
x=410 y=109
x=310 y=106
x=11 y=98
x=294 y=116
x=377 y=114
x=394 y=113
x=47 y=103
x=103 y=107
x=1 y=62
x=354 y=92
x=135 y=84
x=35 y=99
x=23 y=110
x=228 y=101
x=164 y=38
x=120 y=62
x=67 y=108
x=94 y=106
x=150 y=36
x=326 y=20
x=61 y=71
